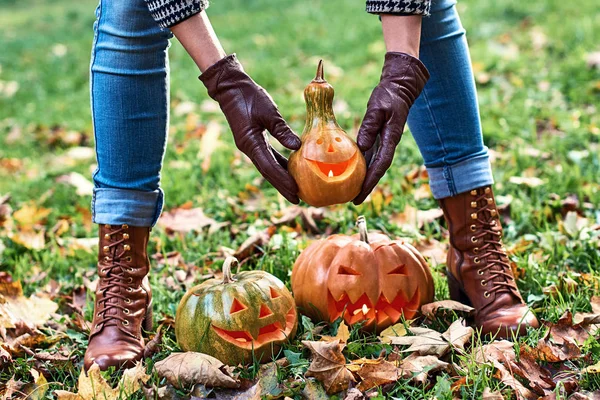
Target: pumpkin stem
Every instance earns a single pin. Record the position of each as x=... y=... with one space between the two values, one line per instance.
x=361 y=222
x=319 y=77
x=230 y=262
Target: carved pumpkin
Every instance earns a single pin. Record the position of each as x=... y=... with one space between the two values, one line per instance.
x=368 y=279
x=328 y=168
x=238 y=319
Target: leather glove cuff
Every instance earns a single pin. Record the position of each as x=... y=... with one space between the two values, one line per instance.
x=407 y=71
x=226 y=68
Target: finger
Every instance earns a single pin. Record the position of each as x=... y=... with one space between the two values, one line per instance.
x=381 y=163
x=270 y=169
x=280 y=130
x=372 y=152
x=369 y=129
x=279 y=157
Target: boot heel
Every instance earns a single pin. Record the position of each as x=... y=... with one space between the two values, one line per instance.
x=456 y=293
x=148 y=324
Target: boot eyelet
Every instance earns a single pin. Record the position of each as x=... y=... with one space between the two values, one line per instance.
x=130 y=290
x=126 y=311
x=106 y=259
x=474 y=239
x=107 y=226
x=483 y=282
x=493 y=212
x=107 y=236
x=476 y=250
x=486 y=294
x=103 y=271
x=128 y=259
x=474 y=216
x=474 y=192
x=480 y=272
x=98 y=315
x=126 y=236
x=473 y=204
x=127 y=301
x=125 y=226
x=487 y=190
x=126 y=247
x=130 y=280
x=490 y=200
x=493 y=223
x=125 y=322
x=476 y=260
x=473 y=228
x=106 y=249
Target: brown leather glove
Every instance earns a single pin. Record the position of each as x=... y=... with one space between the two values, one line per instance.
x=402 y=80
x=250 y=111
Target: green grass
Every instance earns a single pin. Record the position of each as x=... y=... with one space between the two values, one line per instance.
x=538 y=94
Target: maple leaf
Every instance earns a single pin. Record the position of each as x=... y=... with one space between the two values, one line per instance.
x=373 y=373
x=431 y=310
x=328 y=365
x=307 y=217
x=186 y=220
x=418 y=367
x=94 y=386
x=15 y=307
x=562 y=341
x=190 y=368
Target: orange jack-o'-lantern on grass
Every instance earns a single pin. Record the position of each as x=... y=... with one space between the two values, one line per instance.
x=329 y=168
x=371 y=280
x=238 y=319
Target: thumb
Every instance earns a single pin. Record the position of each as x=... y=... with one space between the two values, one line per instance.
x=369 y=129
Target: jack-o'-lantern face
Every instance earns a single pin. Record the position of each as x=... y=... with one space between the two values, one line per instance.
x=328 y=168
x=245 y=318
x=373 y=283
x=332 y=157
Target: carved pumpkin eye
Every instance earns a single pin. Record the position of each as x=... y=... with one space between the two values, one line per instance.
x=320 y=141
x=399 y=270
x=236 y=306
x=343 y=270
x=274 y=293
x=338 y=139
x=264 y=312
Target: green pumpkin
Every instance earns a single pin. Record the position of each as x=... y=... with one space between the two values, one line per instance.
x=238 y=319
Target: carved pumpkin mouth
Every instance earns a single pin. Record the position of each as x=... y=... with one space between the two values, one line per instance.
x=334 y=171
x=267 y=334
x=363 y=310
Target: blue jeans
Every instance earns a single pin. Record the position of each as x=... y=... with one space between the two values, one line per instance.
x=130 y=104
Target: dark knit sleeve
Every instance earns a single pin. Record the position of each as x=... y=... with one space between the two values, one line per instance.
x=400 y=7
x=171 y=12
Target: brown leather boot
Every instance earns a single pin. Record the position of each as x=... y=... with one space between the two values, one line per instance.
x=123 y=298
x=479 y=272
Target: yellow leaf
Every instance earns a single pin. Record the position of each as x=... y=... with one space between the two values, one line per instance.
x=30 y=215
x=15 y=307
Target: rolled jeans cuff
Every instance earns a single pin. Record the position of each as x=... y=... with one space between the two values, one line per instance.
x=459 y=178
x=123 y=206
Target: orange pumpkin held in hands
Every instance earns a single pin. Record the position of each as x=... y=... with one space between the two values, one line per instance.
x=368 y=279
x=328 y=168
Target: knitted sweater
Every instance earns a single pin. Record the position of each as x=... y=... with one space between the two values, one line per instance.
x=171 y=12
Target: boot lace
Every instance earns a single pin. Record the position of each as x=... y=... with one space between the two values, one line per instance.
x=116 y=280
x=491 y=251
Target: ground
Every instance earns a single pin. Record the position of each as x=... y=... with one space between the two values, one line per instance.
x=537 y=68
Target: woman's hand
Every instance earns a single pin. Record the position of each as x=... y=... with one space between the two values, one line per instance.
x=250 y=111
x=402 y=80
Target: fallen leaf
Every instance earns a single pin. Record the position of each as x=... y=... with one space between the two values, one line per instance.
x=11 y=387
x=377 y=373
x=30 y=215
x=397 y=330
x=489 y=395
x=342 y=334
x=185 y=220
x=314 y=391
x=353 y=394
x=94 y=386
x=329 y=365
x=434 y=250
x=458 y=335
x=190 y=368
x=82 y=185
x=33 y=240
x=38 y=388
x=417 y=368
x=562 y=341
x=429 y=342
x=432 y=309
x=308 y=216
x=14 y=307
x=255 y=244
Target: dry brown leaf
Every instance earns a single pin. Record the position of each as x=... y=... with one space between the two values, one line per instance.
x=313 y=391
x=186 y=220
x=37 y=389
x=417 y=368
x=489 y=395
x=354 y=394
x=308 y=216
x=94 y=386
x=11 y=387
x=375 y=373
x=434 y=250
x=255 y=244
x=33 y=240
x=429 y=342
x=342 y=334
x=432 y=309
x=14 y=307
x=190 y=368
x=458 y=335
x=328 y=365
x=82 y=185
x=563 y=340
